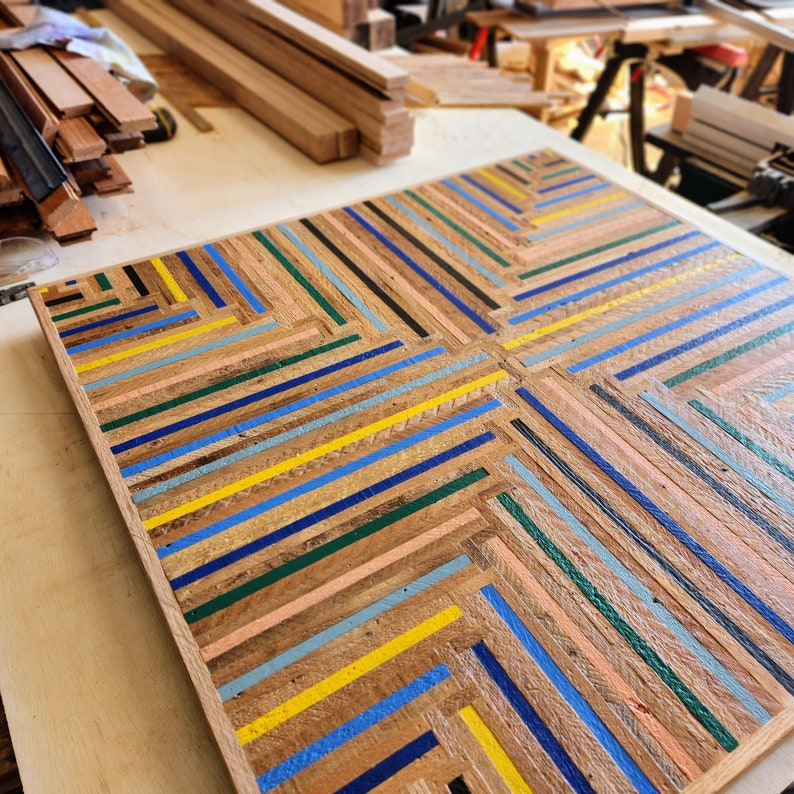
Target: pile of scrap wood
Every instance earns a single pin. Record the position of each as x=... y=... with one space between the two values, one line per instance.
x=329 y=97
x=63 y=118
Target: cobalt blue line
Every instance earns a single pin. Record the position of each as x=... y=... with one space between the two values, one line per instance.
x=686 y=319
x=328 y=477
x=605 y=265
x=202 y=280
x=482 y=205
x=349 y=730
x=584 y=221
x=450 y=296
x=672 y=526
x=235 y=278
x=390 y=766
x=488 y=192
x=323 y=638
x=303 y=429
x=116 y=318
x=567 y=196
x=190 y=421
x=253 y=330
x=568 y=183
x=715 y=333
x=570 y=298
x=141 y=329
x=574 y=699
x=533 y=721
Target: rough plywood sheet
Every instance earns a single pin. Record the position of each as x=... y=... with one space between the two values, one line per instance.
x=480 y=486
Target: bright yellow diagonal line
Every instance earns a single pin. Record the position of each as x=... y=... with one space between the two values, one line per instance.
x=575 y=318
x=578 y=207
x=501 y=182
x=168 y=279
x=318 y=452
x=494 y=750
x=134 y=351
x=355 y=670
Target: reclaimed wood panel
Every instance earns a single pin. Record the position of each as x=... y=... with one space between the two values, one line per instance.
x=481 y=486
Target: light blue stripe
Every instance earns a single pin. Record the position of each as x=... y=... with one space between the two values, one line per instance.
x=351 y=729
x=300 y=430
x=194 y=351
x=234 y=277
x=323 y=638
x=643 y=593
x=482 y=205
x=448 y=243
x=584 y=221
x=568 y=196
x=140 y=329
x=333 y=278
x=325 y=479
x=567 y=183
x=779 y=394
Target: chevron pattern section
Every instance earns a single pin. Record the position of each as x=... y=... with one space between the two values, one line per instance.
x=480 y=486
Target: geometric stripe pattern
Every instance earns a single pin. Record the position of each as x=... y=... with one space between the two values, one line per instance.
x=484 y=485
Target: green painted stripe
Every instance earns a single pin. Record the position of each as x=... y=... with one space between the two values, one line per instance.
x=85 y=310
x=459 y=229
x=103 y=281
x=600 y=249
x=318 y=297
x=632 y=637
x=225 y=384
x=561 y=173
x=327 y=549
x=525 y=166
x=743 y=439
x=705 y=366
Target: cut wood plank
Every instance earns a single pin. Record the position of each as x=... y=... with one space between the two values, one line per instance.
x=59 y=88
x=78 y=225
x=119 y=142
x=336 y=15
x=36 y=109
x=116 y=182
x=78 y=140
x=378 y=32
x=58 y=205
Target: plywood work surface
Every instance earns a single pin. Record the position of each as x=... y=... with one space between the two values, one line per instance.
x=482 y=485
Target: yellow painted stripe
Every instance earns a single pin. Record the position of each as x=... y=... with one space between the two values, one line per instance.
x=333 y=683
x=44 y=290
x=494 y=750
x=604 y=307
x=579 y=207
x=501 y=182
x=134 y=351
x=168 y=279
x=318 y=452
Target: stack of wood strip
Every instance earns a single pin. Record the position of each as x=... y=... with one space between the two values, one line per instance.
x=64 y=117
x=329 y=97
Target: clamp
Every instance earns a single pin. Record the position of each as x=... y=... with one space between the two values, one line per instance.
x=15 y=293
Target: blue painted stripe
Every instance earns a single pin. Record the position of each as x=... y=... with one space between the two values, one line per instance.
x=672 y=526
x=567 y=183
x=569 y=196
x=533 y=721
x=480 y=205
x=352 y=728
x=137 y=331
x=235 y=278
x=595 y=289
x=494 y=279
x=303 y=429
x=389 y=767
x=574 y=699
x=450 y=296
x=605 y=266
x=321 y=639
x=201 y=279
x=697 y=341
x=183 y=356
x=375 y=321
x=680 y=322
x=116 y=318
x=625 y=576
x=492 y=193
x=584 y=221
x=779 y=394
x=329 y=477
x=262 y=394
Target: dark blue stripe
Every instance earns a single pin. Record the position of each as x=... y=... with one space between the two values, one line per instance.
x=568 y=183
x=108 y=321
x=567 y=196
x=492 y=194
x=202 y=280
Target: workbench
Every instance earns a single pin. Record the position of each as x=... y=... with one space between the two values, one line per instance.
x=94 y=690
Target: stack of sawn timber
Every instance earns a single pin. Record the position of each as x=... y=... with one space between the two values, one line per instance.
x=329 y=97
x=63 y=117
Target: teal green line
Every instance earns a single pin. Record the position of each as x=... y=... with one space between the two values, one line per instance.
x=561 y=173
x=524 y=166
x=85 y=310
x=632 y=637
x=103 y=281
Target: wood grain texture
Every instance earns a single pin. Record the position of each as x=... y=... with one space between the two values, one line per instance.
x=483 y=485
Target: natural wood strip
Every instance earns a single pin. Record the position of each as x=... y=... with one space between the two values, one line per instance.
x=77 y=141
x=45 y=121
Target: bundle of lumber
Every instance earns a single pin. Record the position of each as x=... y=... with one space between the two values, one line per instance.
x=63 y=118
x=329 y=97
